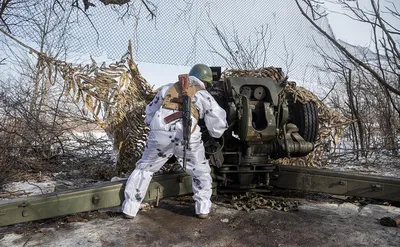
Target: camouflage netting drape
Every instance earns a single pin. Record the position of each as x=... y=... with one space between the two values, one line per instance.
x=115 y=96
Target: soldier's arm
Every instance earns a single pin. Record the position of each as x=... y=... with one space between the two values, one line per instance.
x=214 y=116
x=155 y=104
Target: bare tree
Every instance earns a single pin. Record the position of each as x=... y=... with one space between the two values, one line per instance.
x=249 y=53
x=369 y=76
x=345 y=75
x=14 y=13
x=360 y=97
x=38 y=121
x=385 y=38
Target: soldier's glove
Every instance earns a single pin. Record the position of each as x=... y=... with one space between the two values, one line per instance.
x=211 y=145
x=214 y=150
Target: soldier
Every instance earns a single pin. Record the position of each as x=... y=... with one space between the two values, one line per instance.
x=165 y=140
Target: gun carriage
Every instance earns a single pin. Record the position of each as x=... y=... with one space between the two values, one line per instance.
x=265 y=123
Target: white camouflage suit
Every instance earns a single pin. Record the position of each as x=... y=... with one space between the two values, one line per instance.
x=164 y=140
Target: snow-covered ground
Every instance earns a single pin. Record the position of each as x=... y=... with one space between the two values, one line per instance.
x=173 y=224
x=315 y=224
x=28 y=188
x=46 y=184
x=381 y=164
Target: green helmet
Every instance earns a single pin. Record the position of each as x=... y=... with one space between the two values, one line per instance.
x=202 y=72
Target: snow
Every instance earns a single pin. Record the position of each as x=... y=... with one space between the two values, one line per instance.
x=375 y=163
x=316 y=224
x=30 y=188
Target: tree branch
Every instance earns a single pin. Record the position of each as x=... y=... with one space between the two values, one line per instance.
x=350 y=56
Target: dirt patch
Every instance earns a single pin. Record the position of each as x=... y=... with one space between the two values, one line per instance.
x=173 y=224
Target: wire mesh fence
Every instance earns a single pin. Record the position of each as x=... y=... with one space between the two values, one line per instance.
x=242 y=34
x=184 y=32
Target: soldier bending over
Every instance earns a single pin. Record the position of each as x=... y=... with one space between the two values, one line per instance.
x=164 y=117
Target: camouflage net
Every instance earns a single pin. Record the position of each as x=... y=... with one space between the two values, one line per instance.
x=252 y=201
x=115 y=96
x=271 y=72
x=331 y=123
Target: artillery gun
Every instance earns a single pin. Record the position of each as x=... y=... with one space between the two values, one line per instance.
x=265 y=123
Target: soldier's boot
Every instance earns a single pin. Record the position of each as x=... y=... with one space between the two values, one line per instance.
x=202 y=216
x=129 y=217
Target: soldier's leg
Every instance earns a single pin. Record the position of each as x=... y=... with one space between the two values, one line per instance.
x=158 y=151
x=198 y=167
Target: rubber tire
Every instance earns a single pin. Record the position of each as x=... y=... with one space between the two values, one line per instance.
x=305 y=117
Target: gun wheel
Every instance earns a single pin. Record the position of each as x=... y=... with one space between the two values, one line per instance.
x=305 y=117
